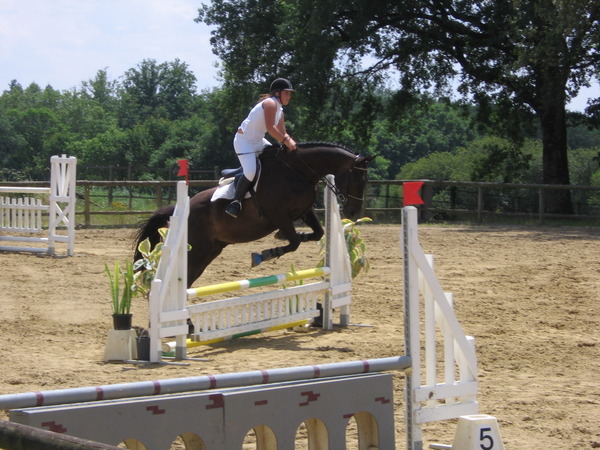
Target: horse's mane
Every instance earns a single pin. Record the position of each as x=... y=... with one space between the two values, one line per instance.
x=323 y=144
x=310 y=144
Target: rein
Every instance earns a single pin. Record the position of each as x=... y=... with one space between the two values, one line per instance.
x=341 y=198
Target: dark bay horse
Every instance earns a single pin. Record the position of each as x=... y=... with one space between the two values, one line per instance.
x=286 y=192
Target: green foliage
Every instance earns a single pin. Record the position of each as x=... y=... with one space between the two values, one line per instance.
x=436 y=166
x=356 y=246
x=145 y=268
x=293 y=302
x=487 y=159
x=157 y=90
x=585 y=165
x=152 y=116
x=137 y=277
x=496 y=160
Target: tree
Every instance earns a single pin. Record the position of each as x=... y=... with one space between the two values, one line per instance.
x=530 y=55
x=429 y=128
x=164 y=90
x=32 y=128
x=101 y=90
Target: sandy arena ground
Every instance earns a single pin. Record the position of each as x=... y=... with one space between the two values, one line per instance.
x=529 y=296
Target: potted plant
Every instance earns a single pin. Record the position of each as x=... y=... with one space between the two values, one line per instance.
x=136 y=280
x=121 y=296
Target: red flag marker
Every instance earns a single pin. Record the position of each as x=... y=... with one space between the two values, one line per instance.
x=183 y=169
x=411 y=193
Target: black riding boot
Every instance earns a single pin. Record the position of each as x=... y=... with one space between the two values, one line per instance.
x=235 y=206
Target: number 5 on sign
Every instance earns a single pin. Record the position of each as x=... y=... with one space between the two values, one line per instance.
x=477 y=432
x=485 y=434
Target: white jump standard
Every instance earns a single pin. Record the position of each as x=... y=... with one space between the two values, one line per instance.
x=22 y=215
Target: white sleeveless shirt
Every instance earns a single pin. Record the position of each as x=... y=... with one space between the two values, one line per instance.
x=254 y=126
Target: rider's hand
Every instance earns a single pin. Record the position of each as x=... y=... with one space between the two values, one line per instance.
x=291 y=144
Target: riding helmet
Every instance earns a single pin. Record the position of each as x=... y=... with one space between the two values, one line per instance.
x=281 y=84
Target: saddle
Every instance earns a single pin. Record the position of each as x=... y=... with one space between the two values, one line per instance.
x=230 y=177
x=229 y=180
x=228 y=173
x=233 y=175
x=268 y=152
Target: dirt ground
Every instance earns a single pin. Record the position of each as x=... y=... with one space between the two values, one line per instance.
x=529 y=296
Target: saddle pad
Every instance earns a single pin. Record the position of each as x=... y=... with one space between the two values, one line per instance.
x=226 y=189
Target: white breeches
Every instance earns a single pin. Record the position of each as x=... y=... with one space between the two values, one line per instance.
x=247 y=151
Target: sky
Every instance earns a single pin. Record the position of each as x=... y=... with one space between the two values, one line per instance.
x=62 y=43
x=65 y=42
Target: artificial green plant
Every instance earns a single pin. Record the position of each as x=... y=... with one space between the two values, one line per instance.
x=357 y=248
x=145 y=268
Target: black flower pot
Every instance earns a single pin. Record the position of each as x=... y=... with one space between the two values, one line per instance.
x=122 y=321
x=143 y=348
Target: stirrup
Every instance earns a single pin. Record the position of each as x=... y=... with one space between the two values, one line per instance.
x=234 y=208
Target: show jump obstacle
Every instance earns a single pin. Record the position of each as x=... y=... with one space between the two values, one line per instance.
x=22 y=211
x=217 y=411
x=235 y=317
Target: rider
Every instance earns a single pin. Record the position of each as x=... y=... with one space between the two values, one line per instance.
x=249 y=142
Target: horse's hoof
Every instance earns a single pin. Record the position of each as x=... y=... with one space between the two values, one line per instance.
x=318 y=321
x=256 y=259
x=190 y=325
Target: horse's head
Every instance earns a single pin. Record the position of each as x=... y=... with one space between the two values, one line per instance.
x=314 y=160
x=352 y=184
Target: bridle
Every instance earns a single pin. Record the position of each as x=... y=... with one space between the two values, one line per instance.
x=341 y=197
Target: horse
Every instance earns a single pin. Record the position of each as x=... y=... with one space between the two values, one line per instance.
x=285 y=192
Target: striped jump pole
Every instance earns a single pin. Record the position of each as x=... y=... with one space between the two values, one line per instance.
x=169 y=347
x=202 y=382
x=256 y=282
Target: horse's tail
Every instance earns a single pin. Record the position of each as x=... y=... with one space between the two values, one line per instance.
x=149 y=228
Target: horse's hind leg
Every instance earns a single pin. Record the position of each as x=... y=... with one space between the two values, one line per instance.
x=199 y=259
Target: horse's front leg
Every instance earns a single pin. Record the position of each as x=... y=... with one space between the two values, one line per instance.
x=312 y=221
x=276 y=252
x=288 y=231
